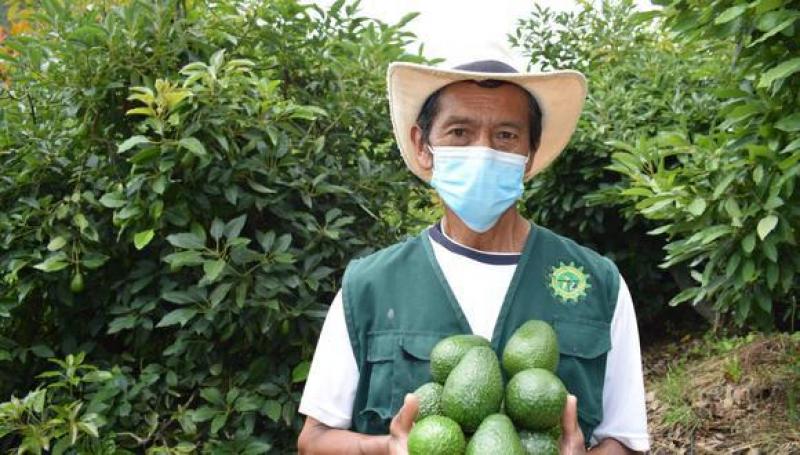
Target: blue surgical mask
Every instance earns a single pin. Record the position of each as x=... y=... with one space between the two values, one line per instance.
x=477 y=183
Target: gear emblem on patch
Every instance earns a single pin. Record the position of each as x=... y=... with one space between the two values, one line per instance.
x=568 y=282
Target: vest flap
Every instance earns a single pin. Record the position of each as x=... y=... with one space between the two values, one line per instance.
x=420 y=345
x=583 y=338
x=381 y=346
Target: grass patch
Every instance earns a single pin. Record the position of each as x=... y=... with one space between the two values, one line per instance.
x=725 y=395
x=674 y=391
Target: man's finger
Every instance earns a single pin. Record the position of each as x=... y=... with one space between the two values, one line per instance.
x=404 y=419
x=569 y=420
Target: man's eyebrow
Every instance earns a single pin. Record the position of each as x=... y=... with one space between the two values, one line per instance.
x=457 y=120
x=512 y=124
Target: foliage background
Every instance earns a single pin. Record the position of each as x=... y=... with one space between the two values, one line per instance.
x=182 y=185
x=168 y=213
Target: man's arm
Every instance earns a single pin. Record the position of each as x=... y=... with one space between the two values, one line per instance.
x=316 y=438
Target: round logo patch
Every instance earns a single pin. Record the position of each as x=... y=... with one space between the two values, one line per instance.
x=568 y=282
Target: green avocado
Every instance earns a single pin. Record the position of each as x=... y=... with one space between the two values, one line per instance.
x=495 y=436
x=535 y=399
x=430 y=400
x=447 y=353
x=474 y=389
x=539 y=443
x=533 y=345
x=436 y=435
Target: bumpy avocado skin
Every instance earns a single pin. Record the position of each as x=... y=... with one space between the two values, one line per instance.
x=533 y=345
x=535 y=399
x=449 y=351
x=474 y=389
x=495 y=435
x=539 y=443
x=436 y=435
x=430 y=400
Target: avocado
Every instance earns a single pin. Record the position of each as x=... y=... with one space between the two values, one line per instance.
x=495 y=436
x=539 y=443
x=533 y=345
x=535 y=399
x=436 y=435
x=430 y=400
x=474 y=389
x=447 y=352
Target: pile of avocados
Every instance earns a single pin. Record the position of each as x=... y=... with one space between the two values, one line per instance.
x=469 y=410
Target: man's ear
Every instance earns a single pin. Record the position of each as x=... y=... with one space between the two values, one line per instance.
x=421 y=152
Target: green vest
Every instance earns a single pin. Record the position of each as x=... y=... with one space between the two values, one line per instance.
x=398 y=305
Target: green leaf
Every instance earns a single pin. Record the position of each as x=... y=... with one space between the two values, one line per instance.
x=213 y=396
x=749 y=243
x=121 y=323
x=212 y=269
x=300 y=372
x=181 y=297
x=204 y=413
x=131 y=142
x=748 y=271
x=272 y=409
x=219 y=293
x=781 y=71
x=56 y=243
x=234 y=227
x=187 y=240
x=790 y=123
x=766 y=225
x=184 y=258
x=697 y=207
x=723 y=185
x=141 y=239
x=180 y=316
x=193 y=145
x=733 y=264
x=732 y=207
x=42 y=351
x=217 y=228
x=97 y=376
x=113 y=200
x=89 y=428
x=730 y=14
x=247 y=403
x=53 y=263
x=218 y=422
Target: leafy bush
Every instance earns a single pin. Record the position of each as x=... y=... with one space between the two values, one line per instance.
x=726 y=197
x=182 y=185
x=640 y=82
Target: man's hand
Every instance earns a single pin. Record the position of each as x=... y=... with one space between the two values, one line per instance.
x=571 y=435
x=401 y=425
x=572 y=442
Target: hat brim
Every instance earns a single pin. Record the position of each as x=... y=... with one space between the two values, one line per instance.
x=560 y=95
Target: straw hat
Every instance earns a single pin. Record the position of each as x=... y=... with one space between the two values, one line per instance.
x=560 y=95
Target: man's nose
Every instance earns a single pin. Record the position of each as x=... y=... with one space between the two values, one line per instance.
x=483 y=138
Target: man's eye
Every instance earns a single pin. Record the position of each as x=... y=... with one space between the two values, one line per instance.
x=458 y=132
x=507 y=135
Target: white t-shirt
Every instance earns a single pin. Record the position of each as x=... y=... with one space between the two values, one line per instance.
x=479 y=280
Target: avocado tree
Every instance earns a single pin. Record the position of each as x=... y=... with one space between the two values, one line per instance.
x=641 y=81
x=181 y=186
x=725 y=197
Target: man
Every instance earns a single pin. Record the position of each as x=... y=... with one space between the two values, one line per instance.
x=475 y=133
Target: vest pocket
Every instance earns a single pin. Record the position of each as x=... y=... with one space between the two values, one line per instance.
x=379 y=368
x=397 y=363
x=413 y=364
x=583 y=345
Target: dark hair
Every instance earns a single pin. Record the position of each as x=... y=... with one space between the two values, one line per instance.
x=430 y=109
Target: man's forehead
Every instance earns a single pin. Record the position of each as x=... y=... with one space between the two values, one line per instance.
x=470 y=98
